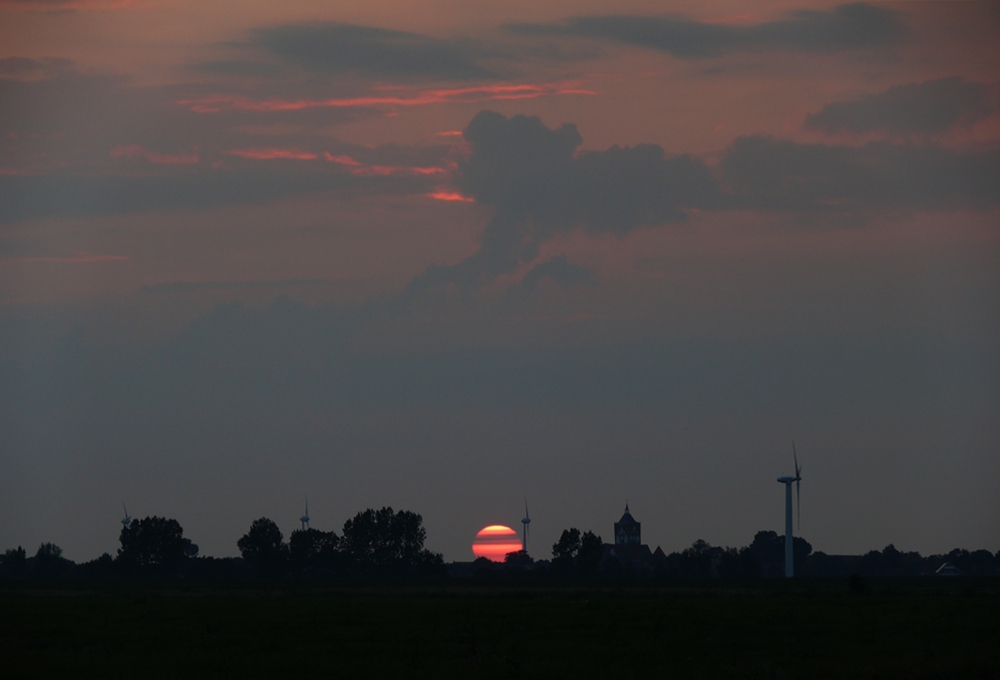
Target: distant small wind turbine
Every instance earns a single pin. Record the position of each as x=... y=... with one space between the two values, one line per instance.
x=526 y=521
x=787 y=481
x=305 y=518
x=125 y=520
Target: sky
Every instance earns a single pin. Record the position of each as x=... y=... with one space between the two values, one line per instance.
x=449 y=256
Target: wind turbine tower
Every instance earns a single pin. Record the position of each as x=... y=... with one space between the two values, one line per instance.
x=305 y=516
x=525 y=522
x=126 y=520
x=787 y=481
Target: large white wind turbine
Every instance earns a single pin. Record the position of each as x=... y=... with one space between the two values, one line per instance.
x=787 y=481
x=526 y=521
x=305 y=517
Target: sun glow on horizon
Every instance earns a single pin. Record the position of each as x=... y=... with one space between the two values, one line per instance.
x=495 y=541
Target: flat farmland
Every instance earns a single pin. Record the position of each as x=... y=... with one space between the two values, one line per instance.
x=758 y=630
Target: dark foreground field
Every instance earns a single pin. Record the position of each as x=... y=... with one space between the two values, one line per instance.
x=765 y=630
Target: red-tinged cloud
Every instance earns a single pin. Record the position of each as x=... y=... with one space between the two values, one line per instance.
x=450 y=196
x=36 y=5
x=395 y=171
x=75 y=258
x=270 y=153
x=341 y=160
x=217 y=103
x=357 y=168
x=136 y=151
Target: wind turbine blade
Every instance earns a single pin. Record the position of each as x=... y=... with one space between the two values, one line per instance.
x=526 y=507
x=798 y=501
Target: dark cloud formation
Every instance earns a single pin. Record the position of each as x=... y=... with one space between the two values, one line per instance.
x=928 y=107
x=379 y=52
x=845 y=27
x=192 y=286
x=769 y=173
x=235 y=67
x=51 y=196
x=24 y=67
x=559 y=271
x=539 y=186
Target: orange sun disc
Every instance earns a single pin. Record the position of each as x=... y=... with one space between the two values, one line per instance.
x=495 y=541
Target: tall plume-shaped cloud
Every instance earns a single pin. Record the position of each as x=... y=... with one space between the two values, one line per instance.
x=539 y=185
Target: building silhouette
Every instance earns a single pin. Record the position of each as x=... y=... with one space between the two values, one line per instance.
x=628 y=549
x=627 y=530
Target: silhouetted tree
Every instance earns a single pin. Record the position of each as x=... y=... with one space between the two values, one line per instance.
x=49 y=561
x=102 y=567
x=588 y=557
x=15 y=563
x=214 y=568
x=739 y=563
x=518 y=558
x=311 y=551
x=565 y=549
x=770 y=550
x=152 y=545
x=697 y=560
x=380 y=541
x=976 y=563
x=263 y=548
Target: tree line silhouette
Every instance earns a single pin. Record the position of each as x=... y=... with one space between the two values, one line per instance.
x=373 y=543
x=585 y=555
x=388 y=543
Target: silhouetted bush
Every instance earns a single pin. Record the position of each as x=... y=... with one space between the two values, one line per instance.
x=152 y=546
x=263 y=549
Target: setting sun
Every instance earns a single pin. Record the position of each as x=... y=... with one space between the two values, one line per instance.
x=495 y=541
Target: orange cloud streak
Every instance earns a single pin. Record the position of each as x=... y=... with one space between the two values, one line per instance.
x=269 y=153
x=340 y=160
x=450 y=196
x=217 y=103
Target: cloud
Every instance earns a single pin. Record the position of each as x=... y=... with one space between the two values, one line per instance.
x=78 y=257
x=189 y=286
x=928 y=107
x=270 y=153
x=779 y=174
x=845 y=27
x=64 y=4
x=557 y=270
x=236 y=67
x=379 y=52
x=136 y=151
x=408 y=97
x=52 y=196
x=25 y=68
x=539 y=186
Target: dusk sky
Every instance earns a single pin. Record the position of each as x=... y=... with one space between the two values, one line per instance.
x=447 y=255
